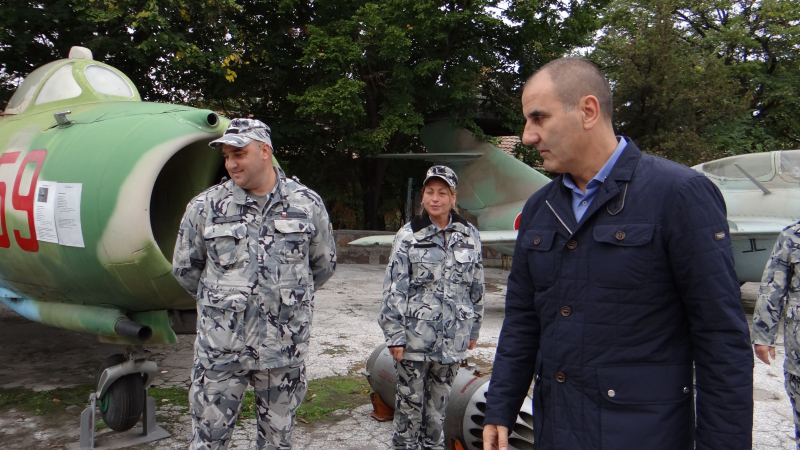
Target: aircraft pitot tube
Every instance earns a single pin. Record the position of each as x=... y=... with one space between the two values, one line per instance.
x=463 y=424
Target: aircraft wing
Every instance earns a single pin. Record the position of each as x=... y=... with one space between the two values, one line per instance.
x=384 y=240
x=487 y=238
x=442 y=158
x=498 y=237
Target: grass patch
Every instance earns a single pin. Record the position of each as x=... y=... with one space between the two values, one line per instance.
x=175 y=396
x=46 y=402
x=335 y=350
x=324 y=396
x=57 y=400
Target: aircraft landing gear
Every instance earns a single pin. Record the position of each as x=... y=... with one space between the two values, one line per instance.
x=123 y=402
x=122 y=399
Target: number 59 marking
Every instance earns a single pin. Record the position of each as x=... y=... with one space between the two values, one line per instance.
x=22 y=203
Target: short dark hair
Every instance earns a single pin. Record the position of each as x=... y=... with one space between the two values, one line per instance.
x=575 y=77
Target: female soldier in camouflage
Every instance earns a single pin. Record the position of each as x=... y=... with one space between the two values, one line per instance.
x=432 y=310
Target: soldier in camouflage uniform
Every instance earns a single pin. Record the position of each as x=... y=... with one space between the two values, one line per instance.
x=432 y=310
x=252 y=250
x=779 y=296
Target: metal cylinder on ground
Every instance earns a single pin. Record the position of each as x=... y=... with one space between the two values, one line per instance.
x=465 y=410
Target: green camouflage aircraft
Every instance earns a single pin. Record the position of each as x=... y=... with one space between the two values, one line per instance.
x=93 y=185
x=761 y=190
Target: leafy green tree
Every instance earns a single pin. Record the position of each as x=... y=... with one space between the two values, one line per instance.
x=338 y=81
x=174 y=51
x=383 y=69
x=695 y=80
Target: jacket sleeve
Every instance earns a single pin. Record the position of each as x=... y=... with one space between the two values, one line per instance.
x=395 y=295
x=189 y=258
x=322 y=250
x=701 y=260
x=773 y=290
x=518 y=346
x=477 y=289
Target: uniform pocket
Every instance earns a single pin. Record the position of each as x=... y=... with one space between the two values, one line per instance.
x=220 y=321
x=541 y=256
x=422 y=319
x=465 y=259
x=226 y=243
x=644 y=404
x=792 y=313
x=794 y=282
x=295 y=315
x=293 y=237
x=426 y=263
x=463 y=324
x=622 y=255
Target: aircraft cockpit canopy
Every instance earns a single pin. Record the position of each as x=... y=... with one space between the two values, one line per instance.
x=790 y=165
x=758 y=165
x=79 y=79
x=761 y=166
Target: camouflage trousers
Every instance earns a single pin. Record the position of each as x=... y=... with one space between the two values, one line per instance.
x=793 y=389
x=216 y=399
x=423 y=389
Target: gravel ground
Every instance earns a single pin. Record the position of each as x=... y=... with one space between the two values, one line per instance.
x=42 y=358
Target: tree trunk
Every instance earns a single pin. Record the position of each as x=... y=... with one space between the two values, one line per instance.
x=372 y=182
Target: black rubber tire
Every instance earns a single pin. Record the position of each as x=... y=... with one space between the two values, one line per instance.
x=125 y=397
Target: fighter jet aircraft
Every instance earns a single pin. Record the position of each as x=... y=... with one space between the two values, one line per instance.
x=761 y=190
x=762 y=193
x=93 y=185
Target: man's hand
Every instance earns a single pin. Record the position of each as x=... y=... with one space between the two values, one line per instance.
x=472 y=344
x=762 y=350
x=495 y=437
x=397 y=352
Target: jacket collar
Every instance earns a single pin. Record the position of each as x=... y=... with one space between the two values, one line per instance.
x=240 y=196
x=560 y=196
x=424 y=228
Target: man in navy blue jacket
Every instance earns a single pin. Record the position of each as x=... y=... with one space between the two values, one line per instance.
x=622 y=279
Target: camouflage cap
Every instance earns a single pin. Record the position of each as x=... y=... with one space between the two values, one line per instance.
x=241 y=132
x=445 y=173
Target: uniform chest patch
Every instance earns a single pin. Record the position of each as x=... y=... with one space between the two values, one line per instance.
x=462 y=245
x=294 y=215
x=430 y=245
x=719 y=236
x=227 y=219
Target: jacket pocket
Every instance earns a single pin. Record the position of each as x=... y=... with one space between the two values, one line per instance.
x=541 y=256
x=426 y=264
x=220 y=321
x=622 y=255
x=422 y=318
x=465 y=315
x=293 y=237
x=295 y=314
x=464 y=269
x=645 y=404
x=226 y=243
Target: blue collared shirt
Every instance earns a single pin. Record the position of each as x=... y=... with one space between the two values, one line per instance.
x=581 y=200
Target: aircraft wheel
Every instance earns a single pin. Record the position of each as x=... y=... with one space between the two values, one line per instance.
x=123 y=402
